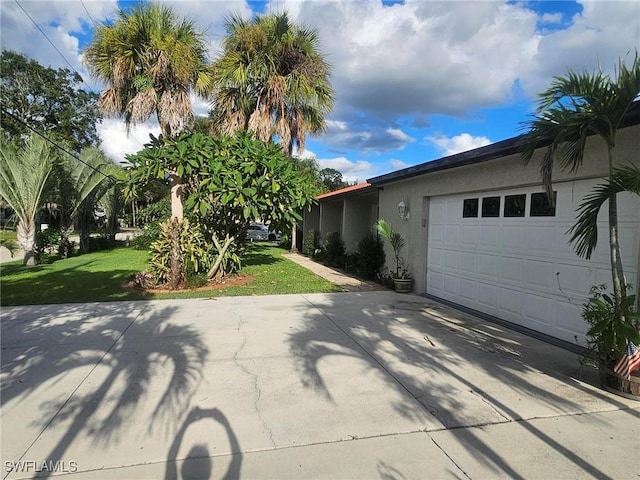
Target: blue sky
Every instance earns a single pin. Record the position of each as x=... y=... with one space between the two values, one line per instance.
x=415 y=80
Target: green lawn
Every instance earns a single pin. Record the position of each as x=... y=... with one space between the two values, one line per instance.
x=6 y=234
x=99 y=277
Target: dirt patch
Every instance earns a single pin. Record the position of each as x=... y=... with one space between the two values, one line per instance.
x=234 y=281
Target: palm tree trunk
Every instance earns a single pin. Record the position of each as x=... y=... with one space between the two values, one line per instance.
x=26 y=233
x=617 y=272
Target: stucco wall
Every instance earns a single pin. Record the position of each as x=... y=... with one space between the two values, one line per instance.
x=501 y=173
x=357 y=221
x=311 y=221
x=330 y=218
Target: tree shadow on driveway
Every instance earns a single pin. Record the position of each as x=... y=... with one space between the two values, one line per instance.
x=454 y=367
x=100 y=358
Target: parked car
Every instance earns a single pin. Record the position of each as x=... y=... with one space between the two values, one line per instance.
x=259 y=232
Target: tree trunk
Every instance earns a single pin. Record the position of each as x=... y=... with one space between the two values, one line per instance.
x=617 y=272
x=176 y=198
x=215 y=271
x=294 y=238
x=176 y=274
x=26 y=233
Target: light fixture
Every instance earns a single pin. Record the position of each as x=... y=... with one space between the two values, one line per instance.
x=403 y=210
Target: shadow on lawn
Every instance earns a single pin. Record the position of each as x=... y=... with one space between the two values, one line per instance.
x=78 y=283
x=450 y=366
x=121 y=349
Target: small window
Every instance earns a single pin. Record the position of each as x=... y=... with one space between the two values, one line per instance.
x=470 y=208
x=491 y=207
x=540 y=206
x=514 y=205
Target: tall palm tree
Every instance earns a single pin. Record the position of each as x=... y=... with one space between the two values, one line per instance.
x=23 y=174
x=574 y=107
x=151 y=59
x=272 y=80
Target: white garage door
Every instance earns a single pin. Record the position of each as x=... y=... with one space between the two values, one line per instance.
x=506 y=253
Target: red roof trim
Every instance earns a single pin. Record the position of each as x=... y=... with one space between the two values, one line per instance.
x=351 y=188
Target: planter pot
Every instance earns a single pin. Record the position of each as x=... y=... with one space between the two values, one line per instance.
x=403 y=285
x=614 y=383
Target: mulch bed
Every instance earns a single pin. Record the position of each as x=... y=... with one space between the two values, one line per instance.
x=233 y=281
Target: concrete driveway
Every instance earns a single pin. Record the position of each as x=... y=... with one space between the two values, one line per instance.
x=347 y=385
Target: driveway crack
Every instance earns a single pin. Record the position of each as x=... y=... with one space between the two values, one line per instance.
x=256 y=387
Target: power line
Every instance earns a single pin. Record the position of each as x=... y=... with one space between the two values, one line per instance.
x=61 y=54
x=52 y=44
x=90 y=17
x=72 y=155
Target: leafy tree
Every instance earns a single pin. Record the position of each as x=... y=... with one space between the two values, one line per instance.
x=51 y=101
x=574 y=107
x=332 y=179
x=151 y=59
x=24 y=172
x=271 y=80
x=229 y=182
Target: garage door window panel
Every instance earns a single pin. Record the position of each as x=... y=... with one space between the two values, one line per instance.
x=470 y=208
x=541 y=207
x=514 y=205
x=491 y=207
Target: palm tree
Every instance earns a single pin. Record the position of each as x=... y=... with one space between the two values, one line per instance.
x=150 y=59
x=23 y=174
x=272 y=80
x=570 y=110
x=90 y=180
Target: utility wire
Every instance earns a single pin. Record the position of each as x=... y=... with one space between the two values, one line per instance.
x=73 y=155
x=63 y=57
x=90 y=17
x=52 y=44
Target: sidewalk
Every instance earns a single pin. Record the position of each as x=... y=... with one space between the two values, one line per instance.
x=347 y=282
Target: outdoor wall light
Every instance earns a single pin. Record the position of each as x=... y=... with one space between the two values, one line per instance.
x=403 y=210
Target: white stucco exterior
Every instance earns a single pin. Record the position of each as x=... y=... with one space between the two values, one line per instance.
x=520 y=269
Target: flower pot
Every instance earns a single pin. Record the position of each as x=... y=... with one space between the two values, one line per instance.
x=403 y=285
x=614 y=383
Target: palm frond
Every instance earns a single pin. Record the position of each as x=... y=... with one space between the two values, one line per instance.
x=584 y=233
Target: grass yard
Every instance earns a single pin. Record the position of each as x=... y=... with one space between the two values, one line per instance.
x=99 y=277
x=6 y=234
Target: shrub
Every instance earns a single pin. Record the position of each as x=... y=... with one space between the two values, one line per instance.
x=370 y=257
x=334 y=250
x=47 y=243
x=196 y=253
x=311 y=242
x=150 y=233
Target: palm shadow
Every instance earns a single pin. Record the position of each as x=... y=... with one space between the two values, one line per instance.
x=40 y=347
x=422 y=348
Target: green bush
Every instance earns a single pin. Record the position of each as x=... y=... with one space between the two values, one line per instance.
x=370 y=257
x=311 y=242
x=150 y=233
x=47 y=243
x=334 y=250
x=196 y=253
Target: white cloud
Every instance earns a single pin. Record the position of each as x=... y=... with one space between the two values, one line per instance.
x=117 y=144
x=304 y=154
x=551 y=18
x=398 y=164
x=351 y=171
x=459 y=143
